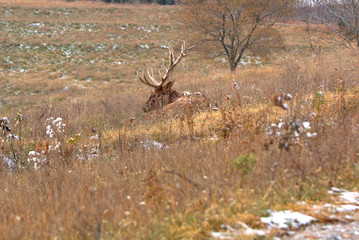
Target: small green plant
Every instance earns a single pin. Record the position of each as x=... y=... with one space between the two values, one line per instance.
x=245 y=164
x=319 y=101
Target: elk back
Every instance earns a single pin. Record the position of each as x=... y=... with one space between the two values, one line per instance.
x=196 y=102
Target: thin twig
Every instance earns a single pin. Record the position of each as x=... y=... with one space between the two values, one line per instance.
x=196 y=185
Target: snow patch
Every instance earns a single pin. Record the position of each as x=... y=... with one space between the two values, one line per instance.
x=144 y=46
x=150 y=144
x=10 y=163
x=345 y=195
x=222 y=235
x=234 y=233
x=186 y=94
x=287 y=220
x=347 y=208
x=306 y=125
x=350 y=197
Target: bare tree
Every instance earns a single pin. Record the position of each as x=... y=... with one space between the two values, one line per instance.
x=235 y=26
x=342 y=17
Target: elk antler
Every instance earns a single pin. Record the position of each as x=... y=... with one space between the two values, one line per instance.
x=173 y=61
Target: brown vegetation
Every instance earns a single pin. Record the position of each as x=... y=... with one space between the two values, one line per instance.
x=341 y=18
x=91 y=165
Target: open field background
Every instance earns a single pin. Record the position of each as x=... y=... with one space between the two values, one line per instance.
x=105 y=176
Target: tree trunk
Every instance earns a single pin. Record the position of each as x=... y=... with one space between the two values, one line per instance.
x=233 y=65
x=233 y=68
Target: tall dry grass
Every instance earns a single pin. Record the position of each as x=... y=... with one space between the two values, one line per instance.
x=108 y=180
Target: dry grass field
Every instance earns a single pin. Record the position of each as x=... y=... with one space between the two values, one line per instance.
x=83 y=161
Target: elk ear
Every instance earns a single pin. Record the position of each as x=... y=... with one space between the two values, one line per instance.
x=169 y=85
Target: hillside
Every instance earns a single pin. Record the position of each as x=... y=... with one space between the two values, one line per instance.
x=82 y=160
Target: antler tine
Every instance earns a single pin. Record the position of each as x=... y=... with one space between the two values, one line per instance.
x=144 y=80
x=173 y=61
x=183 y=47
x=171 y=56
x=154 y=81
x=164 y=64
x=185 y=50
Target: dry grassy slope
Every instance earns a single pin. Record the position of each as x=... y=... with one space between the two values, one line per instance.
x=78 y=61
x=90 y=48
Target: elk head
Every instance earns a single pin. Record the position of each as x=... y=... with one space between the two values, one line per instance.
x=163 y=93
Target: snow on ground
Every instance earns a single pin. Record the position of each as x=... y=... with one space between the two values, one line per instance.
x=336 y=231
x=345 y=208
x=150 y=144
x=10 y=163
x=350 y=197
x=287 y=220
x=233 y=233
x=346 y=203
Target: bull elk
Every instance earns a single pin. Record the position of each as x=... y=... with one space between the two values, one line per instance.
x=163 y=93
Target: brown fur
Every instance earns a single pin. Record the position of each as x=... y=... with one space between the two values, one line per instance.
x=163 y=94
x=161 y=97
x=196 y=102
